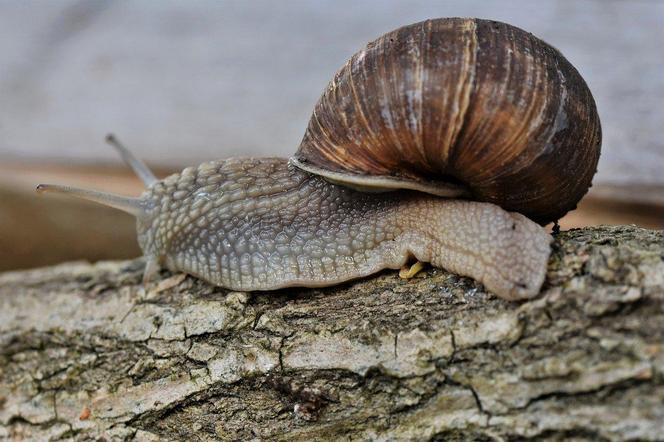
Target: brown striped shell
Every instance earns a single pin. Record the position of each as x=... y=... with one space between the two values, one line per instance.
x=459 y=107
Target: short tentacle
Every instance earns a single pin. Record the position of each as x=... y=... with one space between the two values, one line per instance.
x=138 y=166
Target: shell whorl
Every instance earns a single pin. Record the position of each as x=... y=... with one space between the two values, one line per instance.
x=475 y=103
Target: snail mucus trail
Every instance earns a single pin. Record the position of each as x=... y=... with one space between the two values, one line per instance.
x=426 y=144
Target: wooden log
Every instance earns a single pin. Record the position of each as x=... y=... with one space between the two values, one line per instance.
x=87 y=352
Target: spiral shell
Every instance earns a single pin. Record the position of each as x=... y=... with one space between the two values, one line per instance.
x=458 y=106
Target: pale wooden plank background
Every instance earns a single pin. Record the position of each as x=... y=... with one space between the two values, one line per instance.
x=183 y=82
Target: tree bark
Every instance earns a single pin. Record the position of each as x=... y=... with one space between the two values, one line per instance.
x=86 y=352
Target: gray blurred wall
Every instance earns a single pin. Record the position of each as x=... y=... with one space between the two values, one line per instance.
x=183 y=82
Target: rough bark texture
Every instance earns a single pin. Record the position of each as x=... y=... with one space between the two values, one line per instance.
x=86 y=351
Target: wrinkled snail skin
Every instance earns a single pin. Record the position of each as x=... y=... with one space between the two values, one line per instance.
x=458 y=108
x=260 y=224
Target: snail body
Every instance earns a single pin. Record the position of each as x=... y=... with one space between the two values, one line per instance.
x=260 y=224
x=446 y=107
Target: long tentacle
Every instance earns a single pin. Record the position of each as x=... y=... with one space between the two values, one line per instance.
x=127 y=204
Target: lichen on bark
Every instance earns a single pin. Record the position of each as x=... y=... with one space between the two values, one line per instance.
x=86 y=351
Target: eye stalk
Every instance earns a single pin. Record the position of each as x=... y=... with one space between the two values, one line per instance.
x=133 y=206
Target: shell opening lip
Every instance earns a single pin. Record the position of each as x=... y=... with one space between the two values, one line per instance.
x=372 y=183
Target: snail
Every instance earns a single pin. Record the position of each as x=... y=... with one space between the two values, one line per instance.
x=449 y=141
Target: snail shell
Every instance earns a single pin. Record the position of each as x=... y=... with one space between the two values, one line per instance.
x=459 y=107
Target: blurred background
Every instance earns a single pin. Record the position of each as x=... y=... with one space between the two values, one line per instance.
x=185 y=82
